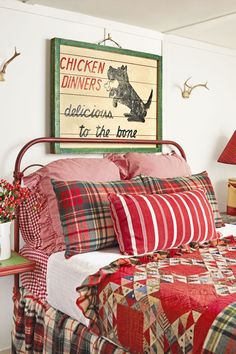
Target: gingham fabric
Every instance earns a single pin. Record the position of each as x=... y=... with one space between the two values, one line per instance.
x=181 y=184
x=147 y=223
x=29 y=214
x=85 y=212
x=35 y=282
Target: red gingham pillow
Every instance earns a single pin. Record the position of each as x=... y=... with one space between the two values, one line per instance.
x=29 y=215
x=85 y=213
x=35 y=281
x=147 y=223
x=181 y=184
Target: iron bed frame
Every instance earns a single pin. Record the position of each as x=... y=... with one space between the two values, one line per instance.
x=18 y=173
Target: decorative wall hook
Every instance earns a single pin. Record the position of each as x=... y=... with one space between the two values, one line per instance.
x=109 y=39
x=3 y=71
x=186 y=92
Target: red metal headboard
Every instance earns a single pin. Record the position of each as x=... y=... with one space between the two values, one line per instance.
x=18 y=173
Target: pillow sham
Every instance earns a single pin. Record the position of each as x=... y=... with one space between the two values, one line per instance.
x=85 y=213
x=39 y=217
x=69 y=169
x=181 y=184
x=132 y=164
x=147 y=223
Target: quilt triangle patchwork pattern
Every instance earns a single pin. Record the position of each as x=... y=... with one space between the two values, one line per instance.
x=167 y=297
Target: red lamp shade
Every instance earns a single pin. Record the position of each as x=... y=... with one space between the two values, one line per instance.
x=229 y=156
x=229 y=153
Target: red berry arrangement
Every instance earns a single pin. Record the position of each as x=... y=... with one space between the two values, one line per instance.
x=11 y=196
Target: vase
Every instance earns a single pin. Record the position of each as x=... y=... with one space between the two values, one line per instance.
x=5 y=240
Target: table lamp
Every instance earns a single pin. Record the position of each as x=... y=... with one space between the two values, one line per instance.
x=229 y=156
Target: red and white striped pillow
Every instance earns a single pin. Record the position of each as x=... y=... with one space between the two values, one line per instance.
x=147 y=223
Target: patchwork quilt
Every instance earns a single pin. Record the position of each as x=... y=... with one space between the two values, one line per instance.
x=166 y=303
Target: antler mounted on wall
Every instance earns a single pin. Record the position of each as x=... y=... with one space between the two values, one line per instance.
x=3 y=71
x=186 y=92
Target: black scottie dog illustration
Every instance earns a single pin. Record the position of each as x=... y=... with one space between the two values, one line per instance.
x=125 y=94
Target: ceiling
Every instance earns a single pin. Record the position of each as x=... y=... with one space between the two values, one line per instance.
x=212 y=21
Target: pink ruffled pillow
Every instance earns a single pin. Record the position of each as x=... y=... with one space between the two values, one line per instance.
x=74 y=168
x=132 y=164
x=121 y=162
x=39 y=216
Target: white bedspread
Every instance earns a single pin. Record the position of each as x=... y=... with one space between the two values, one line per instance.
x=64 y=275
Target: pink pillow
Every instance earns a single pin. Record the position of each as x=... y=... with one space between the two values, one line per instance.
x=74 y=168
x=155 y=165
x=121 y=162
x=39 y=217
x=147 y=223
x=51 y=234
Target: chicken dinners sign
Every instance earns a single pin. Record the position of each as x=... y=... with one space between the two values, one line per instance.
x=105 y=93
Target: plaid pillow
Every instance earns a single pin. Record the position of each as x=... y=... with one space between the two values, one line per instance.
x=180 y=184
x=85 y=213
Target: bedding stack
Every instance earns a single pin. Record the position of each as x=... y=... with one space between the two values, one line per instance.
x=131 y=216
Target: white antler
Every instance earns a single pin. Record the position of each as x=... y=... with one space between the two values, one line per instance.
x=188 y=89
x=3 y=71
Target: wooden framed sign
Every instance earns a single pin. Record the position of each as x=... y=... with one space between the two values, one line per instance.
x=105 y=93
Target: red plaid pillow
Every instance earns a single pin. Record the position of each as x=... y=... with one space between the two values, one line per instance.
x=181 y=184
x=147 y=223
x=85 y=213
x=39 y=220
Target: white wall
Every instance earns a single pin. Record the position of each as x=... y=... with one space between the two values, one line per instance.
x=201 y=124
x=204 y=122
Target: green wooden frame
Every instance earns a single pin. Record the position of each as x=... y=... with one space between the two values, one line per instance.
x=55 y=96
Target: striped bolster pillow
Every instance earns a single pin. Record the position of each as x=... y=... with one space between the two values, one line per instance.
x=147 y=223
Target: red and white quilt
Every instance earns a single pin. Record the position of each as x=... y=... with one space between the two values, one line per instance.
x=161 y=304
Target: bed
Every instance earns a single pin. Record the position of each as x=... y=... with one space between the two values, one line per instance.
x=138 y=263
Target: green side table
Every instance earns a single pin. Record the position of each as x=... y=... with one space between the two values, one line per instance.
x=15 y=265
